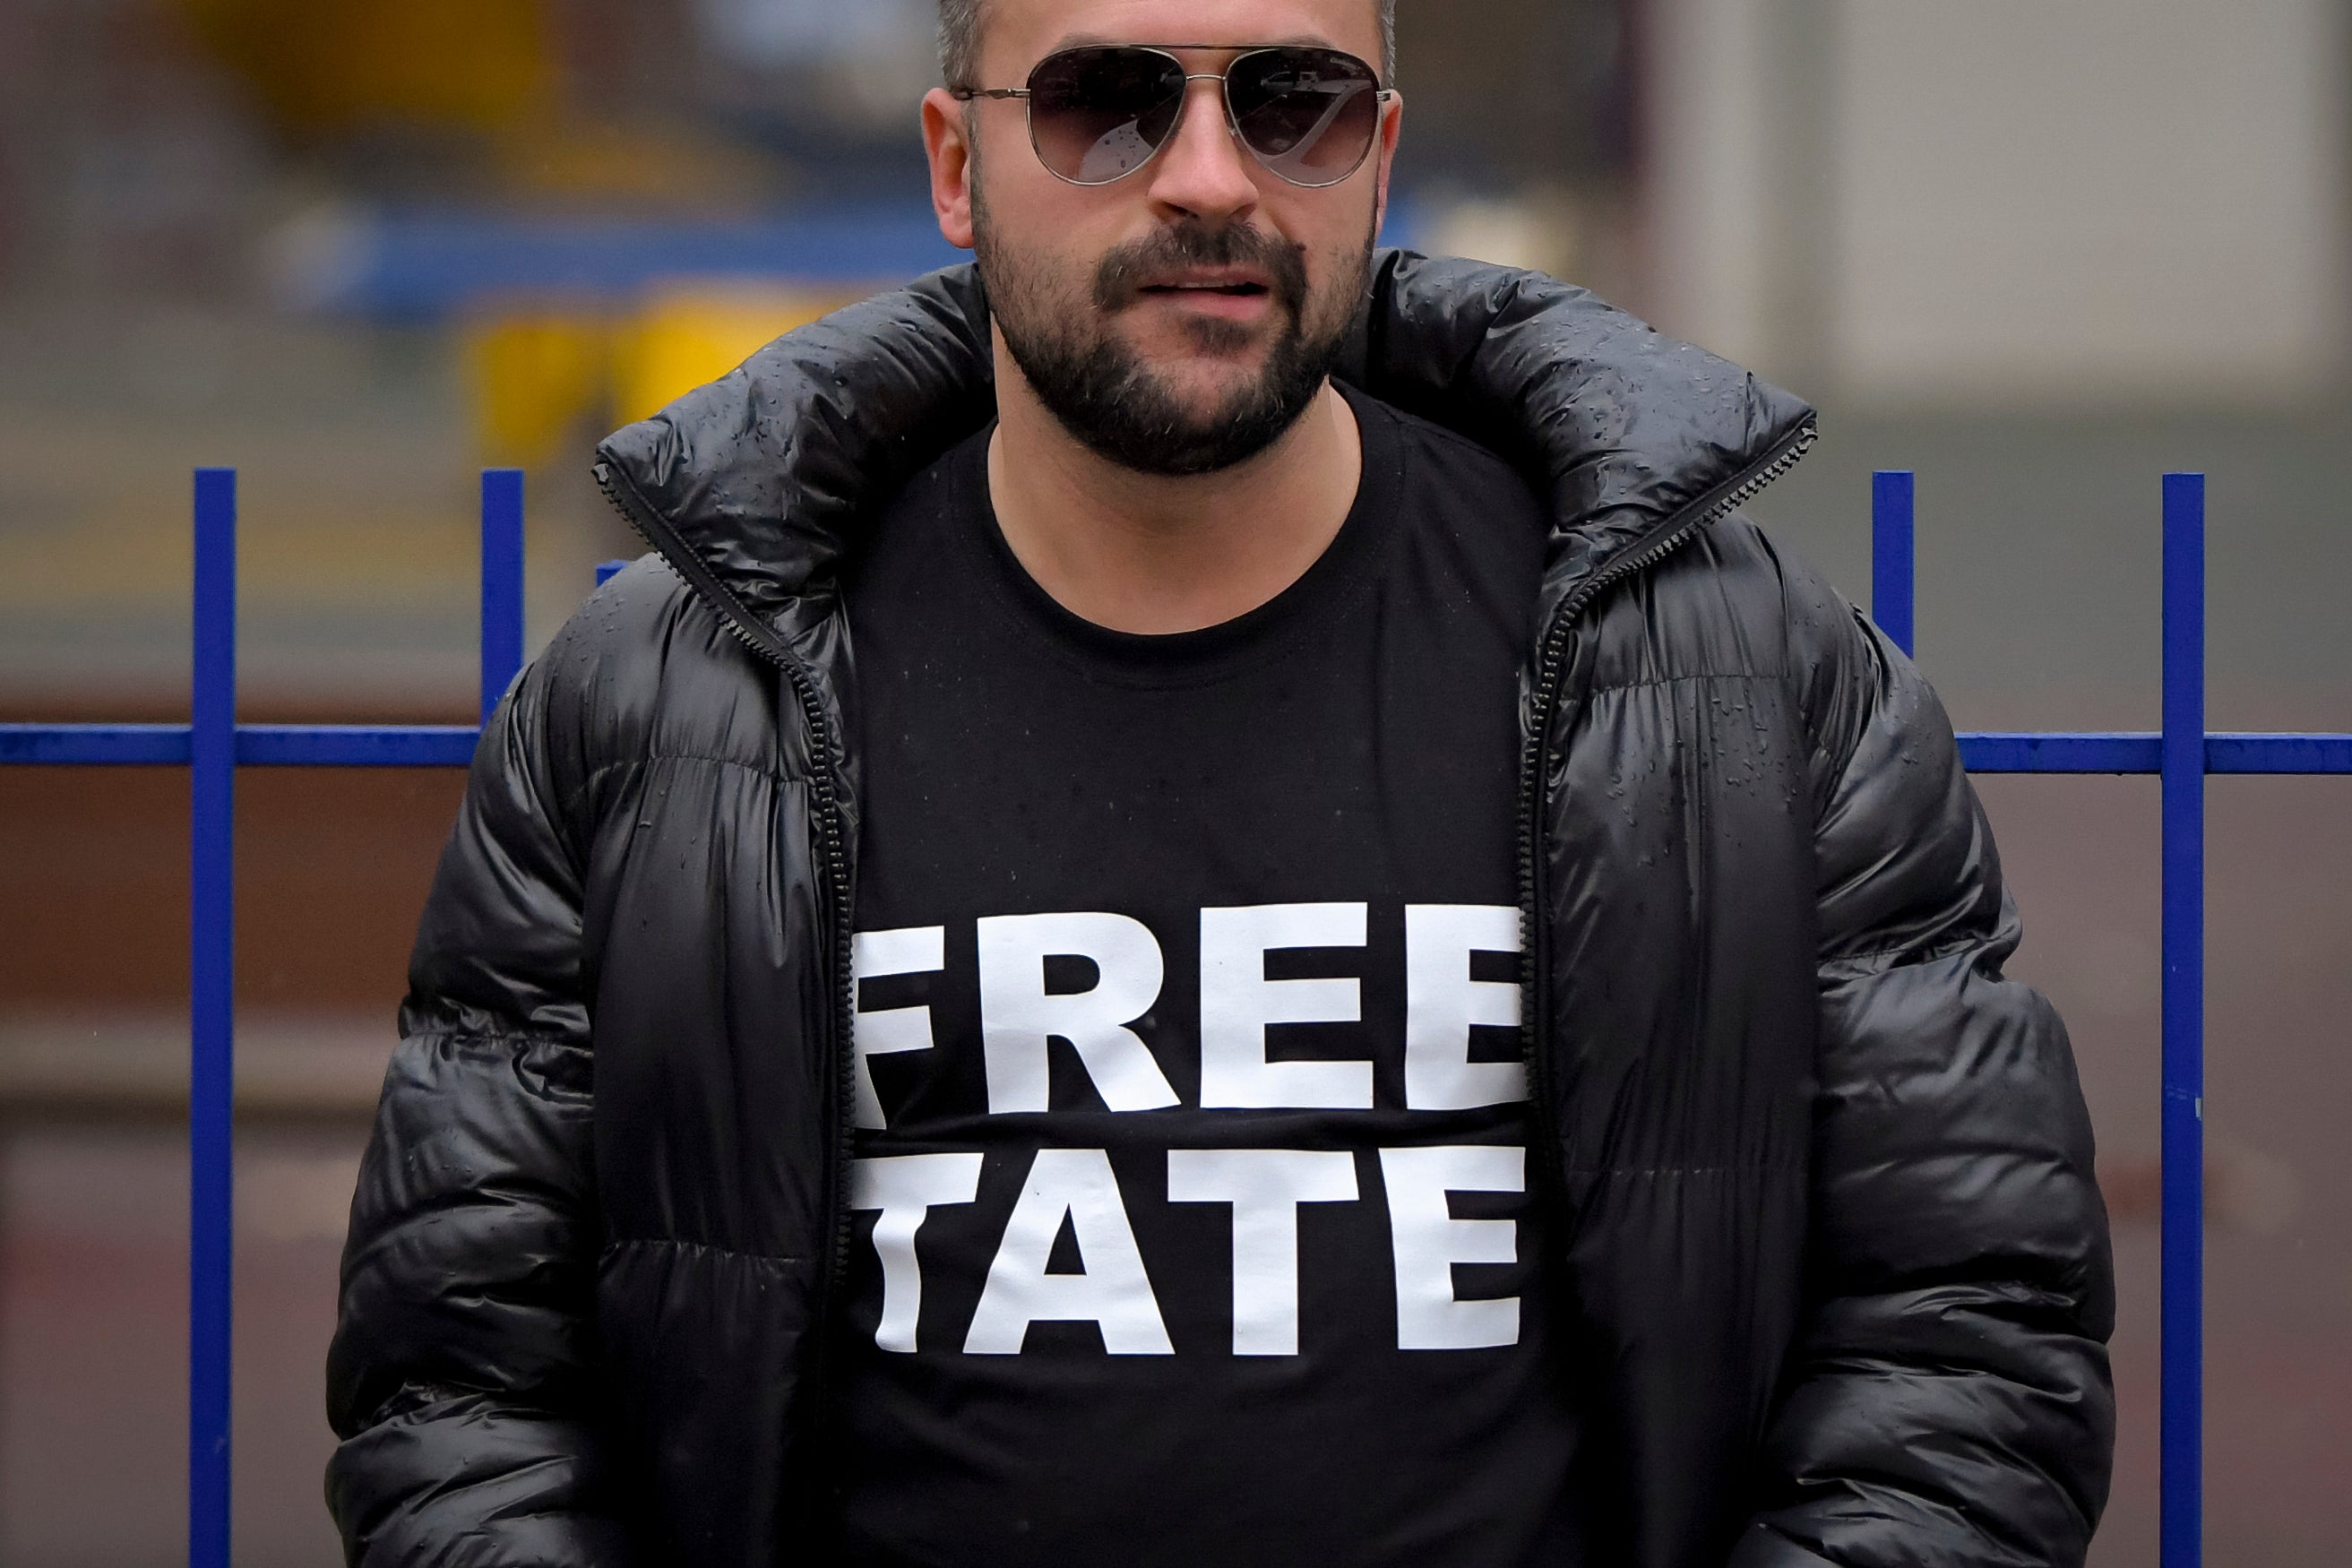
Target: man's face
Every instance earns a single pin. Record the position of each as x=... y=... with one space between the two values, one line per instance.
x=1180 y=319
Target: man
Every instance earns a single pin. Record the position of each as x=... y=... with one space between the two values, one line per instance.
x=1123 y=952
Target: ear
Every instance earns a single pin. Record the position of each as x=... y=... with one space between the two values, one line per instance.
x=947 y=143
x=1391 y=127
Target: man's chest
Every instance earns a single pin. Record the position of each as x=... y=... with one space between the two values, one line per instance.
x=1189 y=1016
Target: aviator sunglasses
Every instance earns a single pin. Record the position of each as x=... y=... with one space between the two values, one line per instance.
x=1100 y=113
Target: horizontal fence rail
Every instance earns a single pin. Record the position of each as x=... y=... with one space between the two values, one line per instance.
x=212 y=745
x=452 y=747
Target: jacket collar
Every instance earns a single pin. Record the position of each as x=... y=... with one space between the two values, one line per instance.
x=754 y=486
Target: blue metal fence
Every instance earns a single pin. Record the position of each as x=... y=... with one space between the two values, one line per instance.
x=212 y=745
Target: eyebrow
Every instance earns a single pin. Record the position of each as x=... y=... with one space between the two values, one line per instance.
x=1092 y=40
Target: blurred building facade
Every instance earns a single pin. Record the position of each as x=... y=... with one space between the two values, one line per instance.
x=2100 y=202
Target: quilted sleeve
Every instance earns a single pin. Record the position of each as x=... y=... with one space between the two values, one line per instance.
x=458 y=1379
x=1948 y=1400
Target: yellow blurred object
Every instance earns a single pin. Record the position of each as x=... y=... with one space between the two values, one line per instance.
x=534 y=374
x=327 y=65
x=533 y=377
x=690 y=335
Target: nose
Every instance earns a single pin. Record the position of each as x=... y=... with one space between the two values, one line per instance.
x=1204 y=174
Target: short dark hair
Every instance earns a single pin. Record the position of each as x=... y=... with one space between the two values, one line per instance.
x=961 y=20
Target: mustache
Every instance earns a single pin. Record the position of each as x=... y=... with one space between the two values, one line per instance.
x=1124 y=270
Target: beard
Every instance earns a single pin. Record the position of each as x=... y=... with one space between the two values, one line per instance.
x=1116 y=401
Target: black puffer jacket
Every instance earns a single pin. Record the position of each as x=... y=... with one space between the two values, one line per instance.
x=1837 y=1268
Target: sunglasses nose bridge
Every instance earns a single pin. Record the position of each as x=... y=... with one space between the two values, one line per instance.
x=1215 y=174
x=1224 y=108
x=1184 y=102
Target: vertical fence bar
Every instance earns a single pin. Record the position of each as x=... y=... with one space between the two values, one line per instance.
x=1892 y=574
x=2183 y=1288
x=501 y=583
x=212 y=782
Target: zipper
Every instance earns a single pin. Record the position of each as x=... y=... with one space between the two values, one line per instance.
x=833 y=849
x=1551 y=669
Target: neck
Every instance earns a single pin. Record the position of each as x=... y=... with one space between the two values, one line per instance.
x=1158 y=553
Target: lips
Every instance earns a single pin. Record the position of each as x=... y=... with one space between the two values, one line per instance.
x=1230 y=284
x=1232 y=271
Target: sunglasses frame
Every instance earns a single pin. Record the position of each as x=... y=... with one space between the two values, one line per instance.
x=1381 y=95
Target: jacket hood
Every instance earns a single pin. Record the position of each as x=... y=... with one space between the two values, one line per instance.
x=757 y=483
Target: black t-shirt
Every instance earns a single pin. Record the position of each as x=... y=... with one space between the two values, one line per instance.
x=1194 y=1212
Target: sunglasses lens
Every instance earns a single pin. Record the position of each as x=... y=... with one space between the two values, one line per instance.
x=1309 y=115
x=1097 y=113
